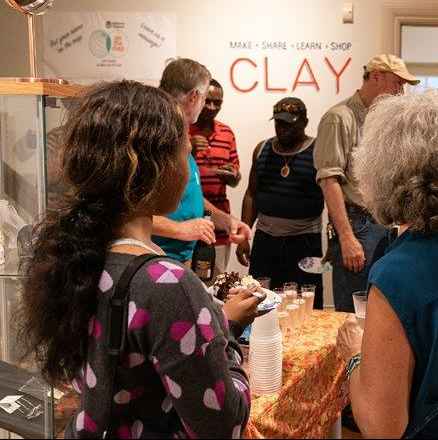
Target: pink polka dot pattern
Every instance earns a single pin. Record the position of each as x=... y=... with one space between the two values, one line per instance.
x=185 y=333
x=124 y=433
x=77 y=385
x=165 y=272
x=105 y=282
x=177 y=331
x=90 y=377
x=167 y=405
x=85 y=423
x=236 y=432
x=204 y=323
x=215 y=398
x=137 y=318
x=124 y=397
x=155 y=363
x=172 y=387
x=95 y=328
x=137 y=429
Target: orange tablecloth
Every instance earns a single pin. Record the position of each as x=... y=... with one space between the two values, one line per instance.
x=314 y=388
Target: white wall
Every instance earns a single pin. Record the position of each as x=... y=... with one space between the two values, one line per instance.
x=13 y=43
x=205 y=27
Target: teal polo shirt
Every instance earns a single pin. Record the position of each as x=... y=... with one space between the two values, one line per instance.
x=190 y=207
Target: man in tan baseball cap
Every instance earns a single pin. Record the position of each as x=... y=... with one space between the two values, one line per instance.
x=393 y=64
x=339 y=132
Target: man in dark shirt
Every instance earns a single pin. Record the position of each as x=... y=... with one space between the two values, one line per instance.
x=285 y=200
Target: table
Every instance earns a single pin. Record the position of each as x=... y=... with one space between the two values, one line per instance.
x=314 y=390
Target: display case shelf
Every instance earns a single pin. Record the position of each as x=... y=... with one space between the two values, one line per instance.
x=31 y=119
x=12 y=87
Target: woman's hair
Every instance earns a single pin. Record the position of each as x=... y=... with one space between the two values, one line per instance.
x=121 y=147
x=396 y=163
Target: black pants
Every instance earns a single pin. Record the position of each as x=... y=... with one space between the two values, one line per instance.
x=278 y=257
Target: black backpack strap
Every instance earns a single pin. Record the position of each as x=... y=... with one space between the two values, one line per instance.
x=117 y=325
x=118 y=310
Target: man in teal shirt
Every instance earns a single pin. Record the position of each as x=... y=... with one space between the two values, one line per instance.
x=188 y=81
x=190 y=207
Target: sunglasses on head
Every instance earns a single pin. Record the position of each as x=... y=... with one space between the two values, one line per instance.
x=287 y=107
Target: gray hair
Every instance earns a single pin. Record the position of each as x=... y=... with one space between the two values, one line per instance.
x=183 y=75
x=396 y=163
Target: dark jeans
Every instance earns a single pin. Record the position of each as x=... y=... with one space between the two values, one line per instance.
x=278 y=257
x=373 y=238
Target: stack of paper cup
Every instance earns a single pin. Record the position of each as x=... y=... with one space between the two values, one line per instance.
x=266 y=355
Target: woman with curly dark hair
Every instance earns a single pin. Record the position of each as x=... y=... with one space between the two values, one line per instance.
x=394 y=370
x=125 y=158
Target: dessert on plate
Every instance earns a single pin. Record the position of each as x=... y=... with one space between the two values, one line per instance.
x=228 y=280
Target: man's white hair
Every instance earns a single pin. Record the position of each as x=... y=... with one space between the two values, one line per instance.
x=396 y=163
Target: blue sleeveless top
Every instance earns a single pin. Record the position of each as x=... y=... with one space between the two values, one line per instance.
x=408 y=278
x=296 y=196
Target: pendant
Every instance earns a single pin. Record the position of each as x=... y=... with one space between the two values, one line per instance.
x=285 y=171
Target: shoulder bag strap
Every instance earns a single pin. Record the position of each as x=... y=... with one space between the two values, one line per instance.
x=118 y=321
x=118 y=310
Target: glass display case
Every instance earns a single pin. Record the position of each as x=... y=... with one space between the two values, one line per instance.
x=31 y=119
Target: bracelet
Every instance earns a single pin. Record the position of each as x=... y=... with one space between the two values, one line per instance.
x=353 y=363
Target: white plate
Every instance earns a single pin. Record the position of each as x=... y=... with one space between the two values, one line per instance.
x=313 y=265
x=271 y=301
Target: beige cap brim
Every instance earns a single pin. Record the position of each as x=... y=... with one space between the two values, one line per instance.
x=408 y=77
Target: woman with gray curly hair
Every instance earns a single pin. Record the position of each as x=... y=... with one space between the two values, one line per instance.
x=393 y=363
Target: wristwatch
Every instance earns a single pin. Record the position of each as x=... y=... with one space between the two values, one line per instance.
x=353 y=363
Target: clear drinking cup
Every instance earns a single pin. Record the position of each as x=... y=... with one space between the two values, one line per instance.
x=308 y=294
x=290 y=291
x=301 y=303
x=360 y=301
x=283 y=319
x=293 y=311
x=281 y=307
